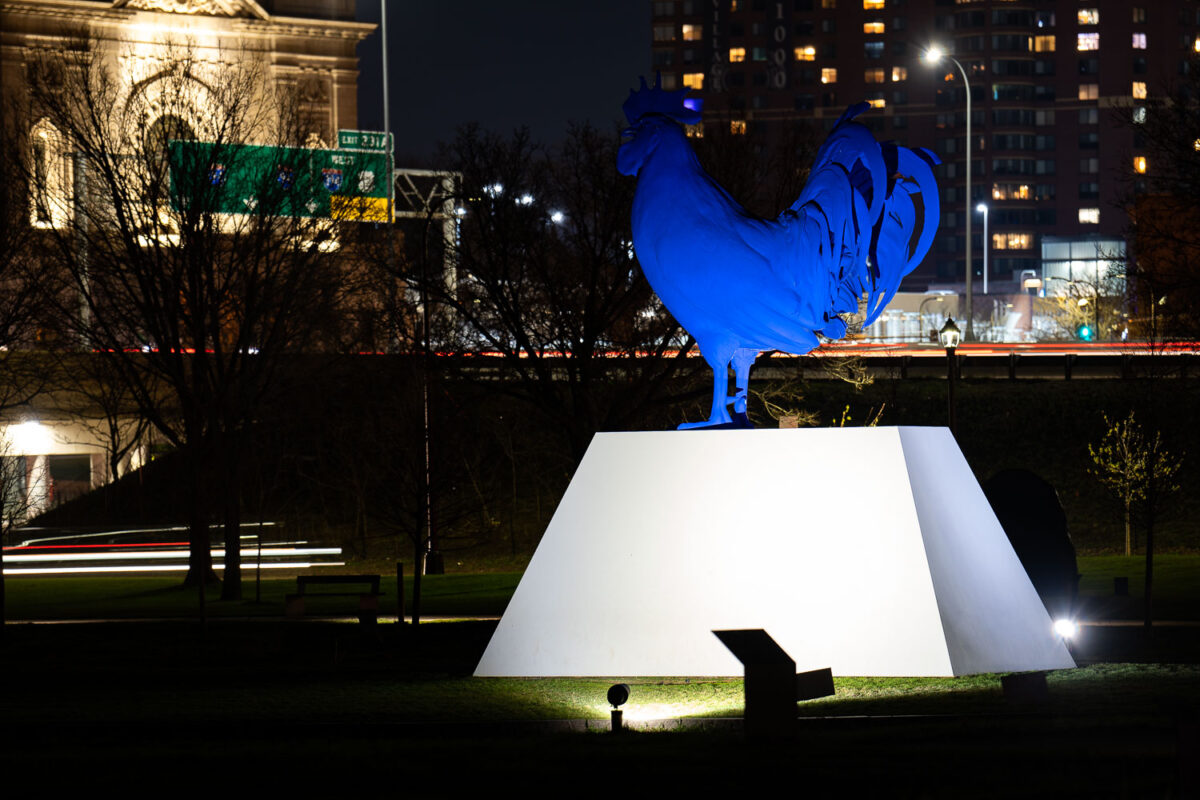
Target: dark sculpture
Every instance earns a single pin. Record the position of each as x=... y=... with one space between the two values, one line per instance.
x=740 y=284
x=1029 y=510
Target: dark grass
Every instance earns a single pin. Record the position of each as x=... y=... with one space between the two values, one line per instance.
x=323 y=701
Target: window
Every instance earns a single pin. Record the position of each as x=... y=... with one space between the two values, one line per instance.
x=693 y=80
x=758 y=53
x=1139 y=90
x=694 y=131
x=1139 y=165
x=664 y=33
x=1010 y=191
x=1089 y=116
x=692 y=33
x=828 y=75
x=664 y=9
x=873 y=49
x=1012 y=241
x=1139 y=14
x=50 y=196
x=1089 y=190
x=1089 y=216
x=669 y=81
x=824 y=4
x=1087 y=41
x=877 y=102
x=737 y=127
x=899 y=23
x=1139 y=41
x=873 y=76
x=1088 y=16
x=868 y=5
x=899 y=74
x=806 y=53
x=1089 y=91
x=1139 y=115
x=1089 y=166
x=1043 y=44
x=737 y=55
x=873 y=27
x=1089 y=140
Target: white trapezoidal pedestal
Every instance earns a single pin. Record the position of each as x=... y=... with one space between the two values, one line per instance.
x=869 y=550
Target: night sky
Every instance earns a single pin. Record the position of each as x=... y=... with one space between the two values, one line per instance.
x=533 y=63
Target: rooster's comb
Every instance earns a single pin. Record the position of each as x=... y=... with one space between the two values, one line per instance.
x=653 y=100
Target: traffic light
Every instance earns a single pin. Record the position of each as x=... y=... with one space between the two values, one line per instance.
x=1085 y=333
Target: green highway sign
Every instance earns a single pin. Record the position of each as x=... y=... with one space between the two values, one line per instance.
x=364 y=140
x=280 y=181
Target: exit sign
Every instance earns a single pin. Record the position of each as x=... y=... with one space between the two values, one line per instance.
x=375 y=141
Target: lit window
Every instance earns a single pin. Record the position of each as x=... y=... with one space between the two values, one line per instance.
x=873 y=76
x=1139 y=90
x=1010 y=191
x=695 y=131
x=1087 y=41
x=1089 y=16
x=669 y=81
x=1139 y=115
x=737 y=55
x=1139 y=164
x=737 y=126
x=1139 y=14
x=693 y=80
x=828 y=3
x=1011 y=241
x=873 y=5
x=692 y=33
x=1043 y=44
x=1196 y=44
x=877 y=102
x=1089 y=91
x=899 y=73
x=1139 y=41
x=664 y=33
x=1196 y=145
x=49 y=200
x=807 y=53
x=873 y=27
x=1089 y=216
x=828 y=75
x=733 y=5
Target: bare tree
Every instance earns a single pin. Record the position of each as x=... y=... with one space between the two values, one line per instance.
x=192 y=303
x=545 y=278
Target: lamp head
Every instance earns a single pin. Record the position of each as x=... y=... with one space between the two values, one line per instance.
x=933 y=55
x=949 y=335
x=618 y=693
x=982 y=208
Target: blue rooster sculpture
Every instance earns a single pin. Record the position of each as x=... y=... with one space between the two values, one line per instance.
x=740 y=284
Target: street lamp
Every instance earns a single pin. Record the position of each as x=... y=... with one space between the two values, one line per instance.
x=949 y=337
x=987 y=245
x=933 y=56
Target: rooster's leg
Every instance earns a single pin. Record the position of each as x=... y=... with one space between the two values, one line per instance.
x=719 y=361
x=743 y=359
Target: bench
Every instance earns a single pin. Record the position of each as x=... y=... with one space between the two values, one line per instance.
x=368 y=602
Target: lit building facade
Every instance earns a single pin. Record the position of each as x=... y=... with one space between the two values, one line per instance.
x=1057 y=91
x=306 y=47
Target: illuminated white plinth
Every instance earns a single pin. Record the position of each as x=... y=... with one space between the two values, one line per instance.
x=869 y=550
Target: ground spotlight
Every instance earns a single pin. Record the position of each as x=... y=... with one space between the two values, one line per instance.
x=1066 y=628
x=618 y=693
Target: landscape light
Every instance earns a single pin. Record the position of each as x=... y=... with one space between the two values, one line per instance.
x=525 y=199
x=618 y=693
x=1066 y=628
x=557 y=217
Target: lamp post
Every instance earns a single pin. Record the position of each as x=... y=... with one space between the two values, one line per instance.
x=949 y=337
x=933 y=56
x=987 y=245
